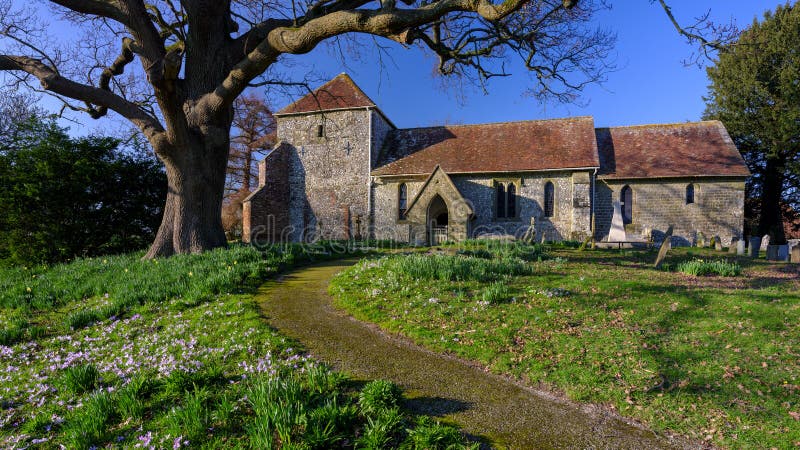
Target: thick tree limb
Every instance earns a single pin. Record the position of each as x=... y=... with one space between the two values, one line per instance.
x=116 y=68
x=302 y=39
x=52 y=81
x=109 y=9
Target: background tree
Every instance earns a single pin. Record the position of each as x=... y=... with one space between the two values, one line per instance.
x=253 y=136
x=755 y=92
x=63 y=197
x=195 y=57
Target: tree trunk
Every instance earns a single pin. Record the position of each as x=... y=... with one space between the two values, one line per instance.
x=192 y=221
x=771 y=219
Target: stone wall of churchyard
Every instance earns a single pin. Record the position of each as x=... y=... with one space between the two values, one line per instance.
x=571 y=212
x=328 y=173
x=718 y=208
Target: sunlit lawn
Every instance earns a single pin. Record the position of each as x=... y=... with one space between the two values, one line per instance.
x=713 y=358
x=119 y=352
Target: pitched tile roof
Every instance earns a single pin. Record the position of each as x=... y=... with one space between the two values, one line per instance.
x=676 y=150
x=496 y=147
x=339 y=93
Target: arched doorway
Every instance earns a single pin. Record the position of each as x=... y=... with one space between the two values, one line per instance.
x=437 y=221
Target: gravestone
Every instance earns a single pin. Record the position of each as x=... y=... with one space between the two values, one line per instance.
x=530 y=233
x=755 y=246
x=772 y=253
x=796 y=254
x=701 y=239
x=764 y=242
x=777 y=253
x=733 y=246
x=741 y=250
x=617 y=232
x=717 y=243
x=665 y=246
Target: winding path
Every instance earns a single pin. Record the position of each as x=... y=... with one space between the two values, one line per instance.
x=508 y=414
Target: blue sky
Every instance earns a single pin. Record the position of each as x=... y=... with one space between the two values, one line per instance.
x=650 y=85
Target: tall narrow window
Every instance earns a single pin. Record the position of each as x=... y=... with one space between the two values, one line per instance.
x=402 y=201
x=511 y=200
x=506 y=200
x=501 y=200
x=626 y=204
x=689 y=194
x=320 y=130
x=549 y=199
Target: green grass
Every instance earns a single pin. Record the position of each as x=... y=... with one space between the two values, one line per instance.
x=81 y=379
x=120 y=352
x=713 y=358
x=457 y=268
x=701 y=267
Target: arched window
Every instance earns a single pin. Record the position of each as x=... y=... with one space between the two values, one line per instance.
x=501 y=200
x=402 y=201
x=626 y=204
x=506 y=200
x=689 y=194
x=549 y=199
x=511 y=200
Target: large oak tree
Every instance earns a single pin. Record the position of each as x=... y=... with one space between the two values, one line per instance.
x=174 y=68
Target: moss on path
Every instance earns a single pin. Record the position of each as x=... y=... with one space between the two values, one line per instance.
x=508 y=414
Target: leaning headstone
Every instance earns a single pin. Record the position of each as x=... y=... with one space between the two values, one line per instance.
x=796 y=254
x=734 y=244
x=755 y=246
x=530 y=233
x=717 y=243
x=585 y=243
x=665 y=246
x=741 y=250
x=617 y=232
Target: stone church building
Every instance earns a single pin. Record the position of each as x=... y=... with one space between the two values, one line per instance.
x=342 y=170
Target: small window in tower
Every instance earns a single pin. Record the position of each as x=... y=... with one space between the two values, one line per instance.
x=689 y=194
x=320 y=130
x=402 y=201
x=549 y=199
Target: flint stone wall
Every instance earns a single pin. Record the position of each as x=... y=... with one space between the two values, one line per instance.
x=718 y=208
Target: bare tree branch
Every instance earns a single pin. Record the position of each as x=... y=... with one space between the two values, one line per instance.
x=392 y=24
x=710 y=38
x=54 y=82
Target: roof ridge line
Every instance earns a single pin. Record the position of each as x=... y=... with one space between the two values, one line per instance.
x=662 y=125
x=497 y=123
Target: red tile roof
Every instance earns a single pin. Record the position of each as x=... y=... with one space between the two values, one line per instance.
x=497 y=147
x=339 y=93
x=676 y=150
